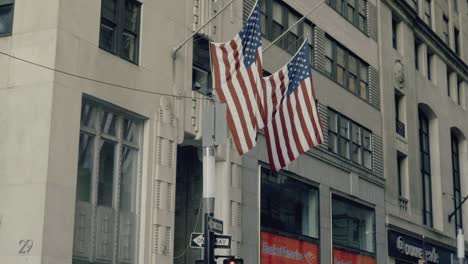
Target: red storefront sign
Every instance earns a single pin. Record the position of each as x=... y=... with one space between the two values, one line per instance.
x=343 y=257
x=277 y=249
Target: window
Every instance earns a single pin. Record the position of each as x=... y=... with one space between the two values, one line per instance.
x=395 y=24
x=456 y=181
x=417 y=45
x=296 y=212
x=6 y=16
x=400 y=126
x=424 y=149
x=427 y=13
x=445 y=30
x=201 y=69
x=355 y=11
x=459 y=92
x=277 y=17
x=401 y=171
x=349 y=140
x=353 y=225
x=456 y=37
x=106 y=191
x=449 y=74
x=430 y=57
x=120 y=28
x=346 y=69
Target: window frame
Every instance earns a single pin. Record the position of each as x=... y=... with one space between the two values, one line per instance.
x=120 y=143
x=424 y=140
x=349 y=140
x=457 y=194
x=120 y=30
x=428 y=13
x=9 y=3
x=286 y=12
x=342 y=199
x=356 y=15
x=264 y=169
x=360 y=65
x=445 y=29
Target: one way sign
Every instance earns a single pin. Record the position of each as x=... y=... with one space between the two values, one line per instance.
x=221 y=241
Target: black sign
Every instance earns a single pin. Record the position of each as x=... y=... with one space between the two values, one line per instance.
x=221 y=241
x=215 y=225
x=409 y=248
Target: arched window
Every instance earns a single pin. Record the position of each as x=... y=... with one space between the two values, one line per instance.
x=424 y=149
x=456 y=181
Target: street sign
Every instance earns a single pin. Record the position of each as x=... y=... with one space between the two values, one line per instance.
x=196 y=240
x=221 y=241
x=215 y=225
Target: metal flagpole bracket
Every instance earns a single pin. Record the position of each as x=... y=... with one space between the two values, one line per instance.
x=178 y=47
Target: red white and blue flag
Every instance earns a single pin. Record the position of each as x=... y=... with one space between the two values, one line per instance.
x=237 y=77
x=292 y=122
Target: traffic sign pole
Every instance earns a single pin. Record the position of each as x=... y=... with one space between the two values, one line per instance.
x=209 y=200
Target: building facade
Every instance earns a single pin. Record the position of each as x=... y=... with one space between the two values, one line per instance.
x=100 y=154
x=423 y=50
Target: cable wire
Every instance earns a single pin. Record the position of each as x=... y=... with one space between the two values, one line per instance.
x=98 y=81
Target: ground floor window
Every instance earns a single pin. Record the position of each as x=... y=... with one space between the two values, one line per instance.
x=353 y=232
x=106 y=211
x=289 y=219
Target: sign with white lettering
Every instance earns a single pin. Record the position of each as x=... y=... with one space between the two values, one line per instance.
x=410 y=248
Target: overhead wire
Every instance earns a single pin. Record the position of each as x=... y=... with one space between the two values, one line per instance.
x=99 y=81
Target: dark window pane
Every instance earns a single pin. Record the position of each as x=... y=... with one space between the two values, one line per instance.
x=363 y=90
x=85 y=168
x=332 y=142
x=340 y=75
x=353 y=225
x=109 y=9
x=368 y=159
x=129 y=46
x=88 y=116
x=356 y=153
x=6 y=19
x=344 y=148
x=296 y=212
x=332 y=124
x=107 y=36
x=344 y=128
x=108 y=123
x=128 y=180
x=106 y=174
x=132 y=14
x=130 y=130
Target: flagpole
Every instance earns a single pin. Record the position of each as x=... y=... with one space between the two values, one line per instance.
x=295 y=24
x=178 y=47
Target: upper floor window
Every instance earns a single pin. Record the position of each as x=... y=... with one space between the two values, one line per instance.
x=355 y=11
x=346 y=69
x=276 y=18
x=120 y=28
x=445 y=29
x=201 y=69
x=349 y=139
x=456 y=181
x=430 y=58
x=106 y=213
x=6 y=16
x=456 y=38
x=425 y=157
x=395 y=25
x=417 y=45
x=427 y=13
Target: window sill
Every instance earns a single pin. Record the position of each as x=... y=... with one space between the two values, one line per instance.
x=116 y=55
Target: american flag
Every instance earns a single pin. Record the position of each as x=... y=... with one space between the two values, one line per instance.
x=292 y=124
x=237 y=78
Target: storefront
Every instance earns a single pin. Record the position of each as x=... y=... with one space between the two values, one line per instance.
x=353 y=232
x=289 y=220
x=407 y=249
